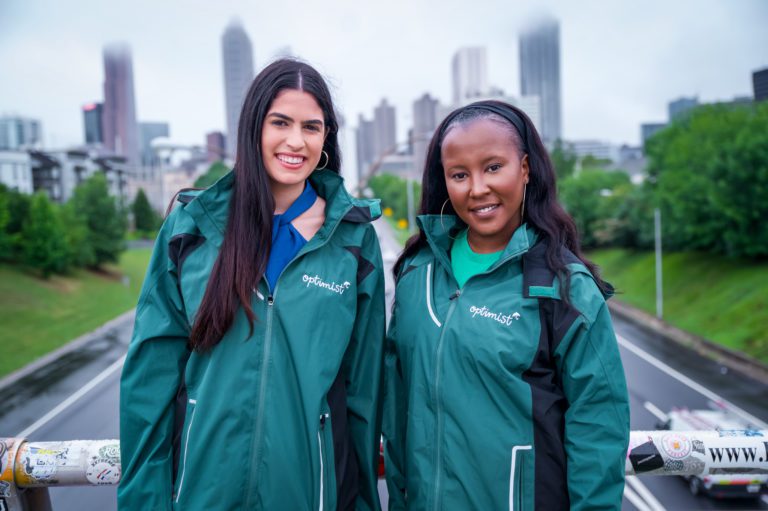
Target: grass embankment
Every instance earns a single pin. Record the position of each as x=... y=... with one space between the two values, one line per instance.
x=38 y=316
x=723 y=300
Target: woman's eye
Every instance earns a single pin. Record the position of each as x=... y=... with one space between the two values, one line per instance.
x=279 y=123
x=458 y=176
x=494 y=168
x=311 y=127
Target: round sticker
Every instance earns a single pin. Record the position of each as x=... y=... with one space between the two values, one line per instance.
x=676 y=446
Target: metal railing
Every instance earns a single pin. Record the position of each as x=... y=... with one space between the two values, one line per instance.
x=28 y=469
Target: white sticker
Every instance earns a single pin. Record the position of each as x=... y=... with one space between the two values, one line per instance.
x=102 y=471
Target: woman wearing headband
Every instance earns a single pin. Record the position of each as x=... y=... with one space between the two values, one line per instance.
x=505 y=389
x=252 y=380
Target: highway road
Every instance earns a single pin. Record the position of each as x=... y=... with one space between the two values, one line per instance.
x=77 y=398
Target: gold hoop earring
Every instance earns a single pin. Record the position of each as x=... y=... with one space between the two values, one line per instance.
x=441 y=218
x=327 y=159
x=522 y=209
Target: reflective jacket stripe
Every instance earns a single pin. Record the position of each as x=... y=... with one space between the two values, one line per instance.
x=429 y=296
x=512 y=474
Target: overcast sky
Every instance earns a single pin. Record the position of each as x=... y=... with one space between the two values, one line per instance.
x=621 y=61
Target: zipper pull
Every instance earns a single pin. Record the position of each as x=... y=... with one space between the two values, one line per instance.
x=455 y=295
x=323 y=417
x=270 y=300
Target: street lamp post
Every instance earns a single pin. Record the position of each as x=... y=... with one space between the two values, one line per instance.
x=659 y=287
x=411 y=208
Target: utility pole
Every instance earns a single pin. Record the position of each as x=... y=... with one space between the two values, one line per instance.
x=659 y=287
x=411 y=210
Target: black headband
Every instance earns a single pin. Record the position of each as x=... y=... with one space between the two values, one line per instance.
x=506 y=113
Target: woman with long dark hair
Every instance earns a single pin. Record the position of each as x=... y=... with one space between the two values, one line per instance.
x=505 y=389
x=252 y=380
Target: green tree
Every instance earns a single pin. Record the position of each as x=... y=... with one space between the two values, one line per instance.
x=711 y=179
x=563 y=159
x=592 y=198
x=80 y=253
x=18 y=212
x=103 y=217
x=42 y=238
x=633 y=217
x=213 y=174
x=144 y=217
x=593 y=162
x=393 y=192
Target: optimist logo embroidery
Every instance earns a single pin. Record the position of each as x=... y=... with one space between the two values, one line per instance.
x=330 y=286
x=504 y=319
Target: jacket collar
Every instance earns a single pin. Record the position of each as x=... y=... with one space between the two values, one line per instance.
x=210 y=209
x=441 y=231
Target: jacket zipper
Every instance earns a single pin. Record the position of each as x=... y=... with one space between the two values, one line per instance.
x=192 y=402
x=439 y=436
x=256 y=440
x=255 y=443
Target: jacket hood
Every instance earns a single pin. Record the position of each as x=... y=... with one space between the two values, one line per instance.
x=210 y=208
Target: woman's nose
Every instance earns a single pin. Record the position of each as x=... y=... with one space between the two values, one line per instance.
x=295 y=139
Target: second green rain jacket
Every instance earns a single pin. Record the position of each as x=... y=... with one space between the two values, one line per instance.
x=500 y=395
x=284 y=417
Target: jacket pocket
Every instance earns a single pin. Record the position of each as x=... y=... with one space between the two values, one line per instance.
x=327 y=482
x=517 y=477
x=189 y=423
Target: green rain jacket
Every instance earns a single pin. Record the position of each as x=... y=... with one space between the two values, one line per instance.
x=286 y=416
x=500 y=395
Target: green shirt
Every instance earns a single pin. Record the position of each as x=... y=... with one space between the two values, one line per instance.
x=466 y=262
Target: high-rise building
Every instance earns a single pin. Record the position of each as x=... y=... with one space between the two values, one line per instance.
x=384 y=129
x=364 y=142
x=237 y=57
x=470 y=74
x=150 y=131
x=649 y=129
x=760 y=84
x=425 y=120
x=215 y=146
x=121 y=132
x=92 y=121
x=20 y=133
x=540 y=74
x=680 y=107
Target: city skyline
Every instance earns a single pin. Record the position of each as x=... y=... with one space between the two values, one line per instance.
x=619 y=69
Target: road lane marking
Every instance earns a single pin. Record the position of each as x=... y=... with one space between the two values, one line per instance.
x=635 y=499
x=72 y=399
x=689 y=382
x=663 y=417
x=644 y=493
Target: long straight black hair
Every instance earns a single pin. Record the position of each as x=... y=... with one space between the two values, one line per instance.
x=244 y=252
x=542 y=210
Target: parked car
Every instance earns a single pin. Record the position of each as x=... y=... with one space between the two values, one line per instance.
x=719 y=485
